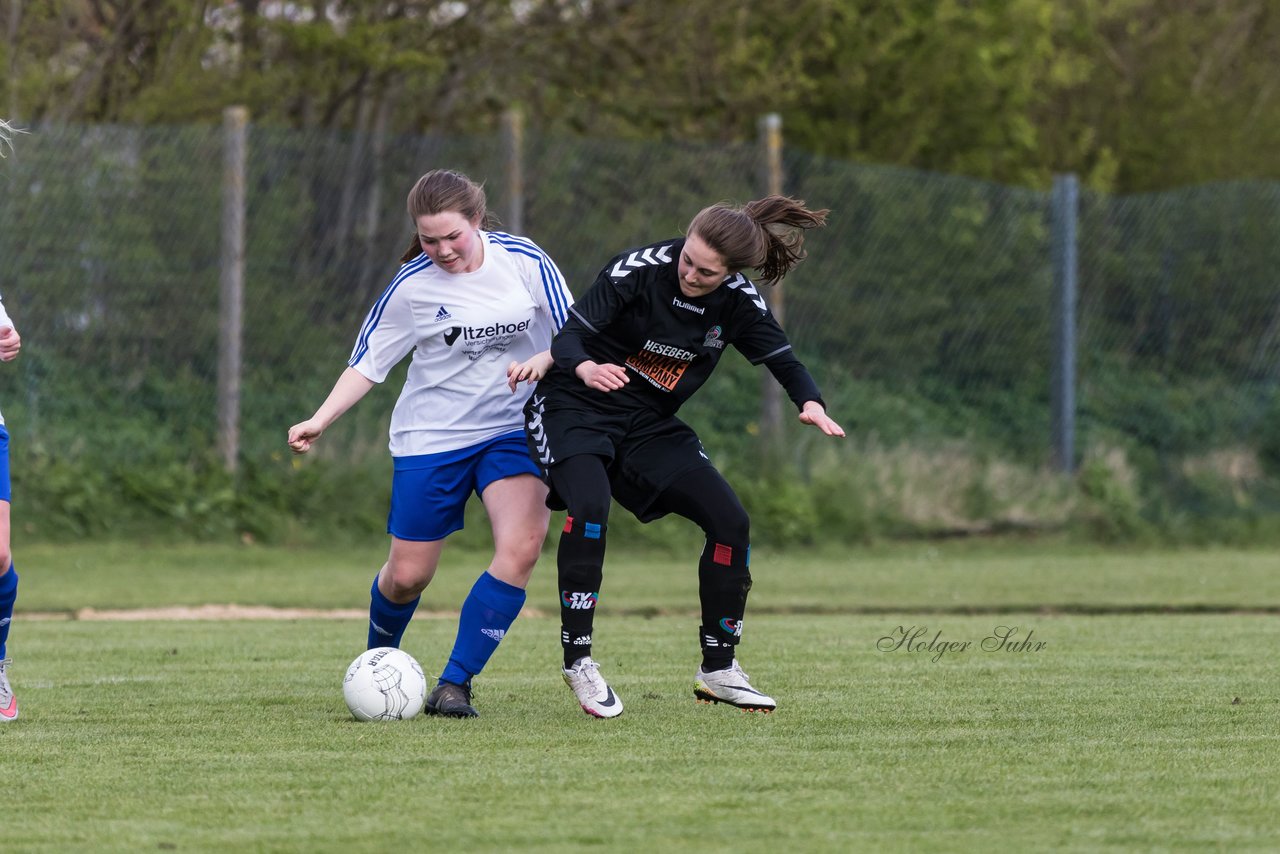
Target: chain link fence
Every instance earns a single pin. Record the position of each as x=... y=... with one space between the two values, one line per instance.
x=925 y=308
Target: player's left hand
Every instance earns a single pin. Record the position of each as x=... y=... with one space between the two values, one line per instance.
x=529 y=372
x=10 y=344
x=814 y=414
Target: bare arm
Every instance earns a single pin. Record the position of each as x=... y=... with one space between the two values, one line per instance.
x=347 y=392
x=531 y=371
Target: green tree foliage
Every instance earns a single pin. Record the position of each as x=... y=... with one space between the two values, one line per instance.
x=1130 y=94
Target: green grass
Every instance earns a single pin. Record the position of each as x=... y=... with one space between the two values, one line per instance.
x=979 y=576
x=1124 y=731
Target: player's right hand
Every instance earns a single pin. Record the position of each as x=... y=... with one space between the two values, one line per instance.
x=10 y=344
x=301 y=436
x=602 y=377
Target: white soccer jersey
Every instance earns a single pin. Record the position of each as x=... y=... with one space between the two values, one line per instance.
x=463 y=329
x=5 y=321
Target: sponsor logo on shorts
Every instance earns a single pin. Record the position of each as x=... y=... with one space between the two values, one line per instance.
x=577 y=600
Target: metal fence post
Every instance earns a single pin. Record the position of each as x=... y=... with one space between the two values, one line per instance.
x=771 y=178
x=1062 y=416
x=235 y=121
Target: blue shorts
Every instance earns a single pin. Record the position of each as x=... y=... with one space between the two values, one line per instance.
x=429 y=492
x=6 y=492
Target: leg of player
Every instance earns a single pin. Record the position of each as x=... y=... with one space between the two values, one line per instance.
x=8 y=595
x=582 y=482
x=724 y=579
x=518 y=515
x=398 y=586
x=8 y=585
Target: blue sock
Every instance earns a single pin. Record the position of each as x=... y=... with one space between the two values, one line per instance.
x=491 y=607
x=387 y=620
x=8 y=595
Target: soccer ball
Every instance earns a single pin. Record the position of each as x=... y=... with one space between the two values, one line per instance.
x=384 y=684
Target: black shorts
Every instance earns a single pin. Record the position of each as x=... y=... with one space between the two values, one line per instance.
x=645 y=452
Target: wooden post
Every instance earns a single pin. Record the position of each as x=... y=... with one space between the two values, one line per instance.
x=513 y=151
x=11 y=42
x=235 y=122
x=771 y=180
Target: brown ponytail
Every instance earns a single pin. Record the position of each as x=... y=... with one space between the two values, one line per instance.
x=766 y=235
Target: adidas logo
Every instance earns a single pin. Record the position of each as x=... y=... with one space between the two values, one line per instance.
x=496 y=634
x=443 y=314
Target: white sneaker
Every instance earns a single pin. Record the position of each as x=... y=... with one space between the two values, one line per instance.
x=594 y=694
x=8 y=702
x=731 y=686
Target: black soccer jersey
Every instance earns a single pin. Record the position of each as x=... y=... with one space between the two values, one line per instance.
x=635 y=315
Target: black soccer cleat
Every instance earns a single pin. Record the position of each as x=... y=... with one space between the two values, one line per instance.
x=451 y=701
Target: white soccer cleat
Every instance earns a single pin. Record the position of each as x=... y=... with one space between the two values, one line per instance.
x=731 y=686
x=8 y=702
x=593 y=693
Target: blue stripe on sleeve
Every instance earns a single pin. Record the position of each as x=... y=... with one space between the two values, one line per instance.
x=375 y=314
x=553 y=284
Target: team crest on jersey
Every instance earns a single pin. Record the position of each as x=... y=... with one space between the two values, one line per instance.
x=646 y=257
x=713 y=338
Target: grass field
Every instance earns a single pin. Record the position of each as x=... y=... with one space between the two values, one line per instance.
x=1147 y=720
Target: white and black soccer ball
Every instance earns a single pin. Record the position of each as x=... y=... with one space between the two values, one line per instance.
x=384 y=684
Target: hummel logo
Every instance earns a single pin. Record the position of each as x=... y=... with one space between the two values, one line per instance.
x=538 y=434
x=496 y=634
x=688 y=306
x=741 y=283
x=644 y=258
x=443 y=314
